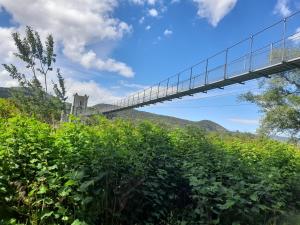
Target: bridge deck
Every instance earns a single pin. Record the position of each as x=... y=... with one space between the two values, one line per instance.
x=250 y=75
x=263 y=57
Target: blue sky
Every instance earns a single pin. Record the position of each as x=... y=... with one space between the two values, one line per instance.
x=109 y=49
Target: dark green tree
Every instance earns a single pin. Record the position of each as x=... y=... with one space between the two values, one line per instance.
x=279 y=100
x=33 y=97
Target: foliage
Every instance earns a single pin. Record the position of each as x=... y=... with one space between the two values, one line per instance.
x=280 y=102
x=8 y=108
x=117 y=172
x=33 y=97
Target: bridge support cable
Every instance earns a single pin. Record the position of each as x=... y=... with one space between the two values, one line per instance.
x=273 y=50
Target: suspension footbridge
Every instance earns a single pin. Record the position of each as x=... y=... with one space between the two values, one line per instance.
x=273 y=50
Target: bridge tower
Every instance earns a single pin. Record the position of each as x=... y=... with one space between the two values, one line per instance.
x=79 y=104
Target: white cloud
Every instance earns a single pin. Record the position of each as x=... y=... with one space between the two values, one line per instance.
x=148 y=27
x=296 y=37
x=282 y=8
x=142 y=2
x=137 y=2
x=96 y=93
x=244 y=121
x=153 y=12
x=75 y=25
x=6 y=80
x=7 y=46
x=214 y=10
x=141 y=21
x=152 y=2
x=168 y=32
x=132 y=85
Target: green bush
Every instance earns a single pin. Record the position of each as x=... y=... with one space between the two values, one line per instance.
x=119 y=173
x=8 y=109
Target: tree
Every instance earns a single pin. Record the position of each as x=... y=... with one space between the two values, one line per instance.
x=280 y=103
x=33 y=96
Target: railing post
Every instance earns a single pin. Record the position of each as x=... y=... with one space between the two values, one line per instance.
x=284 y=41
x=167 y=86
x=191 y=75
x=206 y=72
x=271 y=52
x=251 y=53
x=178 y=78
x=151 y=93
x=144 y=95
x=158 y=90
x=225 y=66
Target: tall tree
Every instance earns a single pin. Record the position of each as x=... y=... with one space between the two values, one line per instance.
x=279 y=100
x=33 y=97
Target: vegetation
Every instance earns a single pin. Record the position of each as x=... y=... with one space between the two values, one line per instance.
x=33 y=97
x=124 y=173
x=8 y=109
x=117 y=172
x=280 y=103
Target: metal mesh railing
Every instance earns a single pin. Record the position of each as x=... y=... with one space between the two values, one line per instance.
x=268 y=47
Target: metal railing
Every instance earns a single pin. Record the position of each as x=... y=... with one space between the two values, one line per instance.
x=243 y=57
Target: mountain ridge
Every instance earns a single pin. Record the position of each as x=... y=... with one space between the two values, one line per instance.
x=169 y=121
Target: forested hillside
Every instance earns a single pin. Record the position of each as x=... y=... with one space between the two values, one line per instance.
x=5 y=92
x=137 y=115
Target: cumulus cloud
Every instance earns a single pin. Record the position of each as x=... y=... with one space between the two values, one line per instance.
x=168 y=32
x=214 y=10
x=97 y=94
x=153 y=12
x=282 y=8
x=148 y=27
x=6 y=80
x=7 y=46
x=75 y=25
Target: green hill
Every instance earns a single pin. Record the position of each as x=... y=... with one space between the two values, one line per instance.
x=5 y=92
x=137 y=115
x=168 y=121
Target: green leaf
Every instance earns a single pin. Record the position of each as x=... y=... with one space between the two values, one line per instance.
x=46 y=215
x=42 y=190
x=78 y=222
x=254 y=197
x=70 y=183
x=229 y=203
x=84 y=186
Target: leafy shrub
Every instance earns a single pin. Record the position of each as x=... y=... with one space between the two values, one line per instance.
x=7 y=108
x=116 y=172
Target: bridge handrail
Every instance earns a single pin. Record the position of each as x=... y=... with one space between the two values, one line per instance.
x=206 y=61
